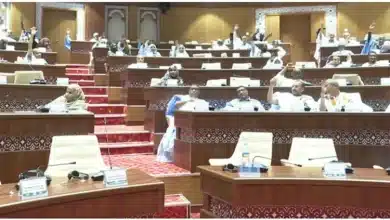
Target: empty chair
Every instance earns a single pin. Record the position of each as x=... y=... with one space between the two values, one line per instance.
x=25 y=77
x=82 y=149
x=257 y=144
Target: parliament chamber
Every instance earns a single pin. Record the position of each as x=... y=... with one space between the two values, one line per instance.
x=194 y=110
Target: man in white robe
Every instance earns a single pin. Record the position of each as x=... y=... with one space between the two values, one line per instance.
x=274 y=62
x=336 y=62
x=372 y=61
x=244 y=102
x=295 y=101
x=333 y=100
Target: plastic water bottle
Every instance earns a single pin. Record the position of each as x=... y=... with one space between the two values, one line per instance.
x=245 y=156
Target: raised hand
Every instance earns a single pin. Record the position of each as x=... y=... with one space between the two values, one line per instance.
x=372 y=26
x=273 y=82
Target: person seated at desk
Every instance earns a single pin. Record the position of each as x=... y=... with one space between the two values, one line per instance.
x=372 y=45
x=277 y=44
x=140 y=63
x=341 y=50
x=331 y=41
x=336 y=62
x=244 y=45
x=178 y=51
x=275 y=62
x=95 y=37
x=72 y=100
x=244 y=102
x=123 y=49
x=372 y=61
x=333 y=100
x=286 y=101
x=188 y=102
x=45 y=43
x=219 y=45
x=152 y=52
x=229 y=41
x=171 y=74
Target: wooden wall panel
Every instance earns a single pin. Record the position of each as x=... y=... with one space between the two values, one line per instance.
x=316 y=19
x=94 y=19
x=205 y=24
x=25 y=10
x=357 y=17
x=295 y=29
x=272 y=25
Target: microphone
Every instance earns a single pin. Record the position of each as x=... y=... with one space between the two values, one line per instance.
x=271 y=159
x=60 y=164
x=319 y=158
x=306 y=107
x=100 y=175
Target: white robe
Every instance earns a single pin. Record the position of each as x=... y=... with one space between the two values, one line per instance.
x=290 y=103
x=350 y=101
x=167 y=143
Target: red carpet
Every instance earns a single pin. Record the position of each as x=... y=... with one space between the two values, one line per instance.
x=129 y=146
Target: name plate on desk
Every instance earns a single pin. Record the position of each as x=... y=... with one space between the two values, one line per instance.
x=249 y=171
x=33 y=188
x=334 y=170
x=115 y=177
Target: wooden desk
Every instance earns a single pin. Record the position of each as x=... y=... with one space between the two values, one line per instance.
x=19 y=45
x=325 y=52
x=80 y=52
x=144 y=195
x=136 y=79
x=27 y=97
x=359 y=138
x=51 y=72
x=119 y=64
x=286 y=192
x=11 y=56
x=361 y=59
x=99 y=59
x=157 y=99
x=25 y=138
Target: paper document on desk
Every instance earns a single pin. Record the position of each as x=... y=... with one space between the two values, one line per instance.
x=319 y=150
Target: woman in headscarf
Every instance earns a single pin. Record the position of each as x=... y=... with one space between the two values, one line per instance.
x=171 y=74
x=179 y=51
x=153 y=51
x=67 y=40
x=72 y=100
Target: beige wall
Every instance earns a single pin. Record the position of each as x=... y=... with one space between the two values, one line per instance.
x=209 y=22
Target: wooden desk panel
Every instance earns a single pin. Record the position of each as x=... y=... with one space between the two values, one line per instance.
x=11 y=56
x=51 y=72
x=144 y=195
x=325 y=52
x=27 y=97
x=360 y=138
x=26 y=137
x=119 y=64
x=136 y=79
x=157 y=99
x=286 y=192
x=80 y=52
x=19 y=45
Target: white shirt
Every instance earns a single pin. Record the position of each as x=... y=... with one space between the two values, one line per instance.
x=341 y=65
x=350 y=103
x=289 y=102
x=222 y=47
x=244 y=105
x=342 y=53
x=195 y=105
x=367 y=64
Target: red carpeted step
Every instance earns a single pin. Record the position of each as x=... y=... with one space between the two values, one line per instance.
x=83 y=82
x=146 y=163
x=79 y=77
x=96 y=99
x=121 y=137
x=126 y=148
x=94 y=90
x=110 y=119
x=106 y=108
x=77 y=70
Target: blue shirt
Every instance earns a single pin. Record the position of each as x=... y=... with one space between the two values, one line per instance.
x=171 y=107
